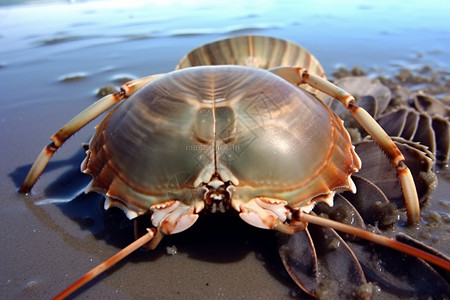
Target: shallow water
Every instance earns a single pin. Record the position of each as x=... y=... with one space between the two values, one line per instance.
x=54 y=55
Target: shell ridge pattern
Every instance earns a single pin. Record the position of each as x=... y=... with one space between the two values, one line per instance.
x=247 y=126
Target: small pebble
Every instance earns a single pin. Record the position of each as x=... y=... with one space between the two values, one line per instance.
x=106 y=90
x=171 y=250
x=73 y=77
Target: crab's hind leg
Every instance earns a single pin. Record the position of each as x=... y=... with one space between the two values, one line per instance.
x=299 y=76
x=80 y=120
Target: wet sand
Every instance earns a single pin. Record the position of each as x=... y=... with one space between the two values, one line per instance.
x=53 y=236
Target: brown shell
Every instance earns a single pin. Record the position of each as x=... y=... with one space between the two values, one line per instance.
x=246 y=125
x=254 y=51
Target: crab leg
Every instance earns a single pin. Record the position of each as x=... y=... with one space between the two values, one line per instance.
x=80 y=120
x=299 y=76
x=375 y=238
x=106 y=264
x=270 y=214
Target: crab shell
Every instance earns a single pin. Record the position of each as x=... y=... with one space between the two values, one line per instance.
x=247 y=127
x=255 y=51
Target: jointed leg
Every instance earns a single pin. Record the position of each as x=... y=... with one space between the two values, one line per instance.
x=299 y=76
x=375 y=238
x=271 y=213
x=83 y=118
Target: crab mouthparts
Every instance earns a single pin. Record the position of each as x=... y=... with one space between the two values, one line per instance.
x=218 y=195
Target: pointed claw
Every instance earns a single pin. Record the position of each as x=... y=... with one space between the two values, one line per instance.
x=254 y=219
x=173 y=216
x=265 y=213
x=178 y=223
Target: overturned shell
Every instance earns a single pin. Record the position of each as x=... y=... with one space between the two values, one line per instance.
x=411 y=125
x=362 y=87
x=376 y=185
x=430 y=105
x=320 y=262
x=325 y=264
x=441 y=129
x=414 y=116
x=440 y=122
x=341 y=259
x=387 y=268
x=430 y=131
x=378 y=170
x=371 y=204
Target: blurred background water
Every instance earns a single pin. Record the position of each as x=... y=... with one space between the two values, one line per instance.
x=90 y=35
x=83 y=36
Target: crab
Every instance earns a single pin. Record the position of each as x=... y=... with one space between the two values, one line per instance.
x=227 y=138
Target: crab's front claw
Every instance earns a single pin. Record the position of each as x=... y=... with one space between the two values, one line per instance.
x=267 y=213
x=171 y=217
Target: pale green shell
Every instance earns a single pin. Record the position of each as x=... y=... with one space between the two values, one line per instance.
x=246 y=125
